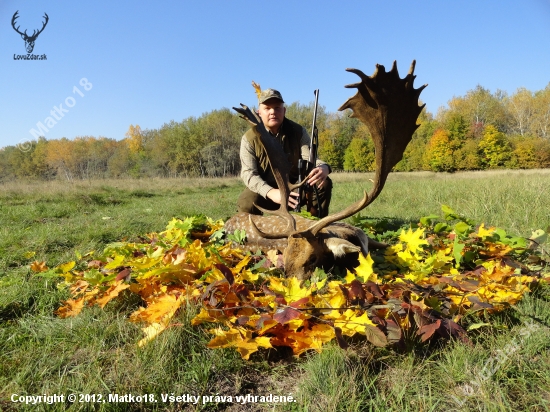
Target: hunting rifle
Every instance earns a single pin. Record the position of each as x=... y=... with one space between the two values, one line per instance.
x=305 y=167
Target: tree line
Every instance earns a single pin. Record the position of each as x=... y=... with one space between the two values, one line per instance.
x=481 y=130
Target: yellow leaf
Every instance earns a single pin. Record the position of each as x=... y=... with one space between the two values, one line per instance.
x=413 y=239
x=116 y=262
x=240 y=339
x=248 y=276
x=241 y=265
x=482 y=232
x=159 y=308
x=334 y=298
x=151 y=332
x=290 y=288
x=350 y=323
x=65 y=267
x=364 y=270
x=321 y=334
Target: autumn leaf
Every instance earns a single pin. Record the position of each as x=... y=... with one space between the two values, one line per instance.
x=364 y=271
x=413 y=240
x=241 y=340
x=291 y=289
x=38 y=267
x=71 y=308
x=414 y=280
x=351 y=323
x=111 y=293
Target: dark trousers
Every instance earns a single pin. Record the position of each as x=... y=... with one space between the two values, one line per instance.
x=248 y=198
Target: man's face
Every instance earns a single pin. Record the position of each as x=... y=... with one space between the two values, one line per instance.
x=272 y=112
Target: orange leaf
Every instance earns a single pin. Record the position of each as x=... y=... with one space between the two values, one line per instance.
x=111 y=293
x=72 y=308
x=38 y=267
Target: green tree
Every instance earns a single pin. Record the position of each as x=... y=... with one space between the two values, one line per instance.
x=359 y=155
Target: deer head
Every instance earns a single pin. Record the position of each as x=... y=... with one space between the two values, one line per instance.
x=388 y=105
x=29 y=40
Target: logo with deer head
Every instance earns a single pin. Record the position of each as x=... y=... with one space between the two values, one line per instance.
x=29 y=40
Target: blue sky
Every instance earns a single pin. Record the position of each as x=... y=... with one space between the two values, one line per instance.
x=152 y=62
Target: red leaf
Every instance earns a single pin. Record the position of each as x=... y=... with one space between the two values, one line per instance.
x=356 y=291
x=241 y=320
x=123 y=274
x=226 y=272
x=340 y=338
x=374 y=289
x=428 y=330
x=300 y=302
x=286 y=315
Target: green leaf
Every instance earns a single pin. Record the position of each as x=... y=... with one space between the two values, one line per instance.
x=461 y=227
x=441 y=227
x=238 y=236
x=457 y=251
x=539 y=236
x=449 y=213
x=428 y=220
x=93 y=276
x=475 y=326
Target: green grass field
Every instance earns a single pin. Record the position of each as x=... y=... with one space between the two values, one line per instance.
x=95 y=353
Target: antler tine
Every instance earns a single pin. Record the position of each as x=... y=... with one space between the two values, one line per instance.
x=44 y=24
x=280 y=169
x=15 y=16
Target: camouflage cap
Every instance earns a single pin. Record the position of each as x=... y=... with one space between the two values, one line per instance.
x=267 y=94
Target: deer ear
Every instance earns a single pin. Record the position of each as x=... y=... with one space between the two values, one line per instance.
x=340 y=247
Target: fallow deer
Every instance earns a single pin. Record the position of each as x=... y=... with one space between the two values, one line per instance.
x=388 y=105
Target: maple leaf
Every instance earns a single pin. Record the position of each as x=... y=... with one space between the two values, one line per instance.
x=291 y=289
x=158 y=308
x=71 y=308
x=413 y=240
x=351 y=323
x=152 y=331
x=38 y=267
x=111 y=293
x=240 y=339
x=483 y=233
x=364 y=271
x=334 y=297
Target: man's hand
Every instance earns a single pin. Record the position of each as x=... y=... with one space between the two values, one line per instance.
x=275 y=196
x=318 y=176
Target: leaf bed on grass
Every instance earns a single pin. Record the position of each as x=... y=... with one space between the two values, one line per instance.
x=430 y=283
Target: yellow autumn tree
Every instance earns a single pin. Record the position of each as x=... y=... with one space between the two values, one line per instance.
x=494 y=147
x=134 y=139
x=439 y=156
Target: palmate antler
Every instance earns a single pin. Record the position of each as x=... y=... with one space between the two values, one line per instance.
x=388 y=106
